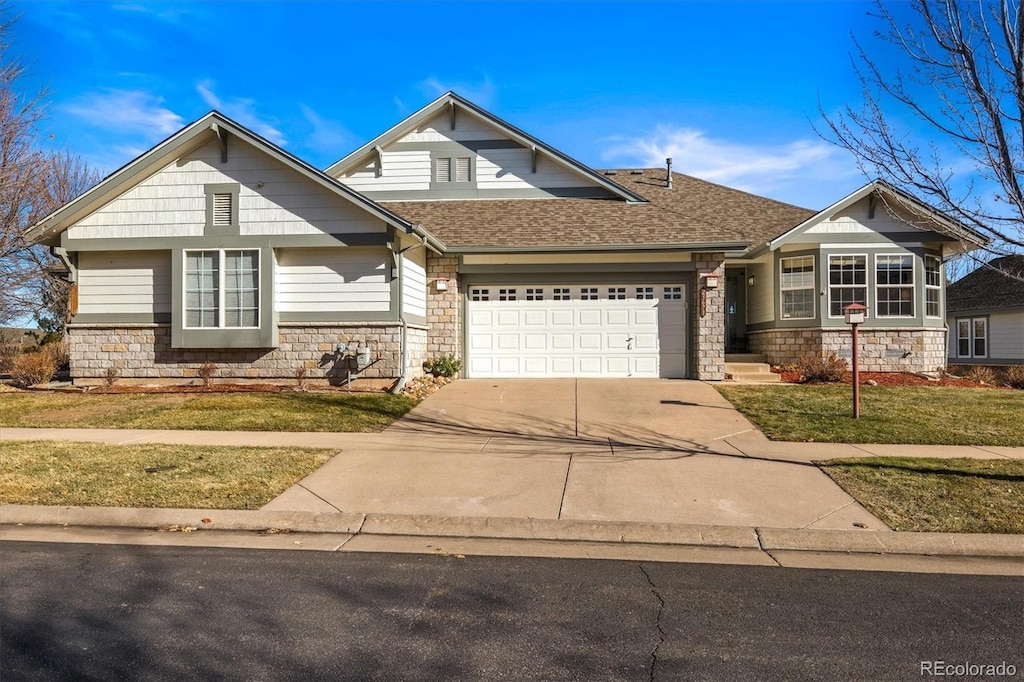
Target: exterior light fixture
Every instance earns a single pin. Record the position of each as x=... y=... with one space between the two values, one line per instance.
x=441 y=284
x=750 y=281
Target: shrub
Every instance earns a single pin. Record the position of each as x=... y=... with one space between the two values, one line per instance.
x=1015 y=377
x=29 y=369
x=59 y=351
x=300 y=375
x=8 y=353
x=111 y=375
x=820 y=369
x=444 y=366
x=981 y=374
x=206 y=371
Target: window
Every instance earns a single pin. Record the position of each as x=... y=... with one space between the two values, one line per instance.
x=972 y=337
x=222 y=288
x=506 y=294
x=588 y=294
x=480 y=294
x=932 y=286
x=894 y=285
x=797 y=286
x=561 y=294
x=847 y=282
x=672 y=293
x=452 y=169
x=534 y=294
x=616 y=293
x=645 y=293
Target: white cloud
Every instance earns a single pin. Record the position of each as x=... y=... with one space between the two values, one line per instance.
x=327 y=136
x=744 y=166
x=482 y=94
x=242 y=110
x=131 y=111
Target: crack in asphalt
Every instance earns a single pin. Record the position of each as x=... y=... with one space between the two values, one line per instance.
x=657 y=620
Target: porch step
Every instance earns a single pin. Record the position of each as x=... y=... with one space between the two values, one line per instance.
x=747 y=368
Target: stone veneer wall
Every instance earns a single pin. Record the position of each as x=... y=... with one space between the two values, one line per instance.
x=416 y=337
x=144 y=352
x=881 y=350
x=709 y=330
x=444 y=334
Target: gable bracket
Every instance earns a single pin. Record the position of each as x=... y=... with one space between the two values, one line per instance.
x=872 y=201
x=533 y=157
x=379 y=161
x=451 y=113
x=222 y=138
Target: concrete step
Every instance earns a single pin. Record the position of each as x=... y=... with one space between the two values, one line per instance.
x=755 y=377
x=745 y=357
x=748 y=367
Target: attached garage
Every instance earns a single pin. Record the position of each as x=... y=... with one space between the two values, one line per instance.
x=576 y=330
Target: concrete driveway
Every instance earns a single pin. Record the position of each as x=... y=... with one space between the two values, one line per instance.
x=609 y=450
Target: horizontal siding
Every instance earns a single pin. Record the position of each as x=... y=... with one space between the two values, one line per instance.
x=333 y=280
x=273 y=199
x=405 y=171
x=761 y=297
x=513 y=168
x=854 y=219
x=414 y=284
x=1006 y=331
x=124 y=282
x=467 y=127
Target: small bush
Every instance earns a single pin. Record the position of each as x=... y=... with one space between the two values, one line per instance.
x=300 y=376
x=59 y=351
x=29 y=369
x=111 y=376
x=206 y=372
x=444 y=366
x=1014 y=377
x=981 y=374
x=823 y=369
x=8 y=353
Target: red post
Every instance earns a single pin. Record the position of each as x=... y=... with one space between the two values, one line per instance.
x=856 y=374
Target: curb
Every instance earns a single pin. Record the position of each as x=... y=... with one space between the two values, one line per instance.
x=691 y=535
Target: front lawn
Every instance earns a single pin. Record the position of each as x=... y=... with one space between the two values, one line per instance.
x=940 y=495
x=295 y=411
x=175 y=476
x=925 y=416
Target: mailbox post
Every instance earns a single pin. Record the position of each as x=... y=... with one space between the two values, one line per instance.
x=855 y=313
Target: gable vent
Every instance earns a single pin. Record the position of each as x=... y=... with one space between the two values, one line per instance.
x=222 y=208
x=444 y=170
x=462 y=169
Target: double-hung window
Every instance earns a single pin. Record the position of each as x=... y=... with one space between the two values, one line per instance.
x=222 y=289
x=932 y=286
x=972 y=337
x=797 y=286
x=847 y=282
x=894 y=285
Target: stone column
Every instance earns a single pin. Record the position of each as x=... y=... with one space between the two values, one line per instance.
x=709 y=327
x=444 y=308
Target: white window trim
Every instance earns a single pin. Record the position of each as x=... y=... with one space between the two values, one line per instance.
x=866 y=285
x=220 y=288
x=813 y=288
x=912 y=286
x=970 y=337
x=932 y=287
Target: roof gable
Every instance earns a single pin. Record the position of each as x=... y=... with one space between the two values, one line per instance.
x=494 y=142
x=997 y=284
x=212 y=126
x=913 y=215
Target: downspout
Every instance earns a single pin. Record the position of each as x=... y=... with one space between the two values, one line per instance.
x=404 y=371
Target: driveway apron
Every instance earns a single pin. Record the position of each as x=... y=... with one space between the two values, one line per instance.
x=600 y=449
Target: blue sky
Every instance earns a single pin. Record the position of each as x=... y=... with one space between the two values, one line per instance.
x=730 y=90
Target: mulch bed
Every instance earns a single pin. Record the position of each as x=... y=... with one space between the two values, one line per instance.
x=893 y=379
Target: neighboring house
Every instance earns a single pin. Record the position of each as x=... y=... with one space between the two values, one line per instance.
x=456 y=233
x=985 y=314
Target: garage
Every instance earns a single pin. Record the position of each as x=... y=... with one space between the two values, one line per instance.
x=576 y=330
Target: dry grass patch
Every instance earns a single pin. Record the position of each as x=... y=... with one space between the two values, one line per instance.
x=169 y=476
x=947 y=495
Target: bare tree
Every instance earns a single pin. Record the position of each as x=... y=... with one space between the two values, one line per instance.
x=33 y=182
x=965 y=79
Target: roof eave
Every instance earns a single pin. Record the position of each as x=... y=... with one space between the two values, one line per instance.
x=702 y=247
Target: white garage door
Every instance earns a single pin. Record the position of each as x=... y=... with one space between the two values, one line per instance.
x=634 y=330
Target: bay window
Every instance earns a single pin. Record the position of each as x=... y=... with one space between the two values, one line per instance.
x=847 y=282
x=894 y=285
x=932 y=286
x=797 y=287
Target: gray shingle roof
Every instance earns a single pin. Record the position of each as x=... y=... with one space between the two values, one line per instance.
x=692 y=212
x=989 y=287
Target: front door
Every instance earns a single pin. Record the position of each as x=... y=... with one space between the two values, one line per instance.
x=735 y=310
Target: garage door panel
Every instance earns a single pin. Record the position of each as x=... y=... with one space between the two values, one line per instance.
x=580 y=330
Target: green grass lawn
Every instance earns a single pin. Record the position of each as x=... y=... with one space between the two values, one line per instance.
x=947 y=495
x=216 y=411
x=175 y=476
x=926 y=416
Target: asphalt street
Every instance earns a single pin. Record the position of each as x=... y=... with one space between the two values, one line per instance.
x=163 y=613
